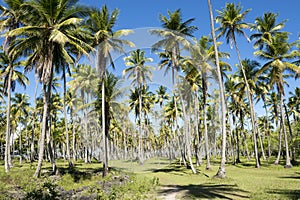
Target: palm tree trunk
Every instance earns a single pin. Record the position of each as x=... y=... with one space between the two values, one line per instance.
x=86 y=160
x=291 y=132
x=66 y=119
x=20 y=147
x=252 y=114
x=73 y=136
x=288 y=160
x=204 y=85
x=46 y=100
x=105 y=160
x=279 y=147
x=261 y=144
x=8 y=128
x=197 y=133
x=267 y=127
x=221 y=172
x=140 y=127
x=33 y=122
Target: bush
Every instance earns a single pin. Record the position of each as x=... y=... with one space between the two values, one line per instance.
x=46 y=191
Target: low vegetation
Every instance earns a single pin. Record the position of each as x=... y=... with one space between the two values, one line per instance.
x=156 y=179
x=78 y=182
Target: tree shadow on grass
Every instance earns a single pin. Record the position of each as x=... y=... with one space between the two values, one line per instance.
x=289 y=194
x=173 y=169
x=207 y=191
x=77 y=174
x=296 y=176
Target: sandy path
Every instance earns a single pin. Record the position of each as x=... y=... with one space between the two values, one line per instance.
x=168 y=193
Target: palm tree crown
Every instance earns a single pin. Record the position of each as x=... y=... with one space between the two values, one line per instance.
x=266 y=27
x=231 y=20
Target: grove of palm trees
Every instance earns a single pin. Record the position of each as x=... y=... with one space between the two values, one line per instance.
x=89 y=110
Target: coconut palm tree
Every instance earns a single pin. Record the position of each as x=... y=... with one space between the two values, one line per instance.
x=231 y=19
x=221 y=172
x=250 y=68
x=237 y=107
x=172 y=114
x=277 y=53
x=11 y=75
x=294 y=103
x=48 y=28
x=140 y=73
x=112 y=93
x=161 y=95
x=101 y=23
x=19 y=112
x=10 y=20
x=266 y=28
x=174 y=33
x=84 y=84
x=203 y=58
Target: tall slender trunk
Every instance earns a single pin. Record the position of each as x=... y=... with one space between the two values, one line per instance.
x=33 y=122
x=50 y=145
x=8 y=128
x=73 y=135
x=221 y=172
x=20 y=147
x=261 y=144
x=66 y=119
x=46 y=100
x=105 y=160
x=186 y=134
x=238 y=141
x=204 y=90
x=86 y=160
x=279 y=135
x=291 y=132
x=279 y=147
x=197 y=133
x=140 y=127
x=287 y=154
x=252 y=114
x=267 y=127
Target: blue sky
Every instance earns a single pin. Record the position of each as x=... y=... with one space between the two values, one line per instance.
x=136 y=14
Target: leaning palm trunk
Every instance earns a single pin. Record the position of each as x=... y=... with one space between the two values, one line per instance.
x=7 y=139
x=252 y=114
x=221 y=172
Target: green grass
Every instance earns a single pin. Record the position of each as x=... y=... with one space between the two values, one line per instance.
x=130 y=180
x=243 y=180
x=82 y=180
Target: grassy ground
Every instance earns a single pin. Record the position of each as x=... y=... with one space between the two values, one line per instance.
x=129 y=180
x=243 y=180
x=83 y=181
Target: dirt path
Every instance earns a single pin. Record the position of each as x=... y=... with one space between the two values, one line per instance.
x=168 y=193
